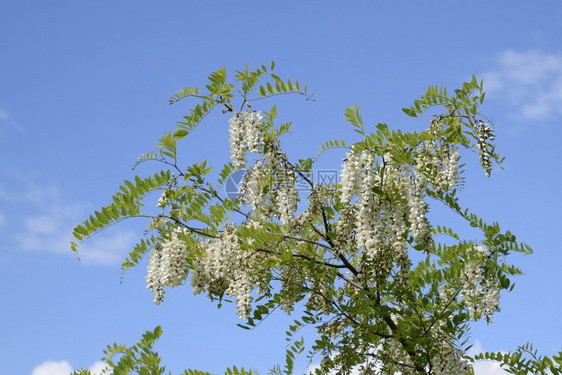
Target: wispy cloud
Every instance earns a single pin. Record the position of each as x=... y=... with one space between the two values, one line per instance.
x=7 y=122
x=107 y=250
x=48 y=227
x=64 y=368
x=485 y=367
x=530 y=82
x=53 y=368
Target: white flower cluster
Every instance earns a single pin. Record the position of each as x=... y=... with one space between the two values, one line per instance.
x=449 y=361
x=167 y=265
x=270 y=188
x=377 y=221
x=226 y=268
x=392 y=355
x=397 y=212
x=246 y=134
x=313 y=209
x=480 y=295
x=250 y=189
x=449 y=172
x=353 y=168
x=163 y=200
x=484 y=133
x=368 y=214
x=443 y=160
x=286 y=198
x=358 y=177
x=419 y=225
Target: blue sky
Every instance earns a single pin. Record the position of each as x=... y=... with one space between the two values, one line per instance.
x=84 y=90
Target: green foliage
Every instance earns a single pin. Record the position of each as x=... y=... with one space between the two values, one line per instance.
x=354 y=117
x=126 y=204
x=138 y=359
x=525 y=360
x=404 y=303
x=220 y=93
x=464 y=101
x=141 y=359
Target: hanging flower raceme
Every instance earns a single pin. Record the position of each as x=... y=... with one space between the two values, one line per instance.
x=396 y=210
x=368 y=208
x=270 y=188
x=480 y=295
x=226 y=268
x=449 y=361
x=153 y=278
x=450 y=172
x=253 y=126
x=484 y=132
x=250 y=189
x=287 y=197
x=419 y=224
x=351 y=175
x=358 y=222
x=167 y=264
x=439 y=162
x=246 y=134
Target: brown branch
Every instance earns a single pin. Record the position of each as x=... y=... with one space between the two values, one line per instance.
x=306 y=240
x=191 y=229
x=332 y=265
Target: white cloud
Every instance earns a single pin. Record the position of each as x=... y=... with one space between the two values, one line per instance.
x=488 y=368
x=531 y=82
x=41 y=224
x=107 y=249
x=52 y=233
x=49 y=227
x=97 y=368
x=53 y=368
x=64 y=368
x=484 y=367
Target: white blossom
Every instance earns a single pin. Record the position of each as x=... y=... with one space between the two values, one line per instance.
x=350 y=173
x=480 y=295
x=450 y=173
x=253 y=127
x=226 y=268
x=484 y=132
x=246 y=134
x=287 y=198
x=163 y=200
x=396 y=211
x=238 y=147
x=449 y=361
x=167 y=265
x=154 y=281
x=251 y=187
x=419 y=224
x=368 y=208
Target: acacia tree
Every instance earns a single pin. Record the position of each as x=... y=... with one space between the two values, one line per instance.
x=387 y=290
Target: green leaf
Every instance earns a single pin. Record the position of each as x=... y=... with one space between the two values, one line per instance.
x=180 y=133
x=410 y=112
